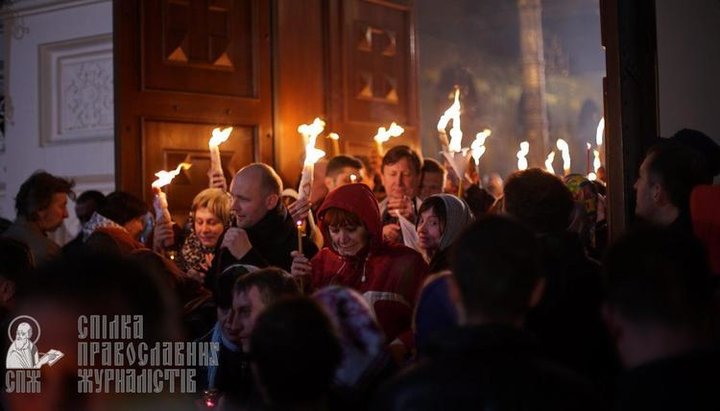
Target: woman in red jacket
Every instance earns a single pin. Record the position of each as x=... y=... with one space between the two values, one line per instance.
x=387 y=275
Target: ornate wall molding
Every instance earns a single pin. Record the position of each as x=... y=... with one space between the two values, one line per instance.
x=23 y=8
x=76 y=91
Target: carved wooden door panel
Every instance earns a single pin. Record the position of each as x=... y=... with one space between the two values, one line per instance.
x=373 y=79
x=184 y=67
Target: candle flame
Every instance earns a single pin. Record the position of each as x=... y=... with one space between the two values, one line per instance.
x=219 y=136
x=596 y=161
x=562 y=145
x=524 y=150
x=451 y=113
x=600 y=132
x=478 y=146
x=312 y=130
x=333 y=136
x=548 y=162
x=310 y=133
x=165 y=177
x=383 y=134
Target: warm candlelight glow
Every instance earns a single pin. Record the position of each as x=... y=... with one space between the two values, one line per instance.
x=219 y=136
x=353 y=178
x=310 y=133
x=299 y=224
x=592 y=177
x=548 y=162
x=596 y=161
x=335 y=138
x=562 y=145
x=451 y=113
x=312 y=130
x=383 y=134
x=165 y=177
x=524 y=150
x=477 y=148
x=600 y=132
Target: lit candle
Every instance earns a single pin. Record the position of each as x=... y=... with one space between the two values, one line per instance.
x=565 y=151
x=160 y=204
x=600 y=132
x=548 y=162
x=383 y=135
x=589 y=148
x=218 y=137
x=596 y=161
x=299 y=224
x=335 y=143
x=452 y=113
x=310 y=133
x=522 y=163
x=477 y=148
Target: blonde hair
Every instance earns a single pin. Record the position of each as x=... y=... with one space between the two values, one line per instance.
x=216 y=201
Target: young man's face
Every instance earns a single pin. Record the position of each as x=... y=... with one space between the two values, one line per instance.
x=347 y=175
x=247 y=306
x=400 y=179
x=644 y=192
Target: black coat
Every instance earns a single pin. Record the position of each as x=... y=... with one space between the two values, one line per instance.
x=486 y=368
x=272 y=239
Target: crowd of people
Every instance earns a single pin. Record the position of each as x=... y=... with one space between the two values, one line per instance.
x=510 y=296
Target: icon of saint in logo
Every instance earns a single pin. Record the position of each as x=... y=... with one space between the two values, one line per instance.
x=23 y=353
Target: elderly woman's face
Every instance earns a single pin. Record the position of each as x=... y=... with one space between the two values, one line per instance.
x=208 y=227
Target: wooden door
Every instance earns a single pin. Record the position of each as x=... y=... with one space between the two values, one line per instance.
x=373 y=71
x=184 y=67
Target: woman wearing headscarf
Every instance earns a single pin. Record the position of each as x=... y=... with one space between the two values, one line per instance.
x=387 y=275
x=442 y=217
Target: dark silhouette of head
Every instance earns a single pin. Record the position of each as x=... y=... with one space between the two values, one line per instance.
x=538 y=199
x=295 y=352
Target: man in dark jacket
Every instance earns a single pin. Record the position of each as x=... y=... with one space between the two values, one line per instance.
x=666 y=178
x=264 y=233
x=568 y=320
x=490 y=362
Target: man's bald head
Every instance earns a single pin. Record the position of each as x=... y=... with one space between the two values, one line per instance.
x=269 y=181
x=256 y=190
